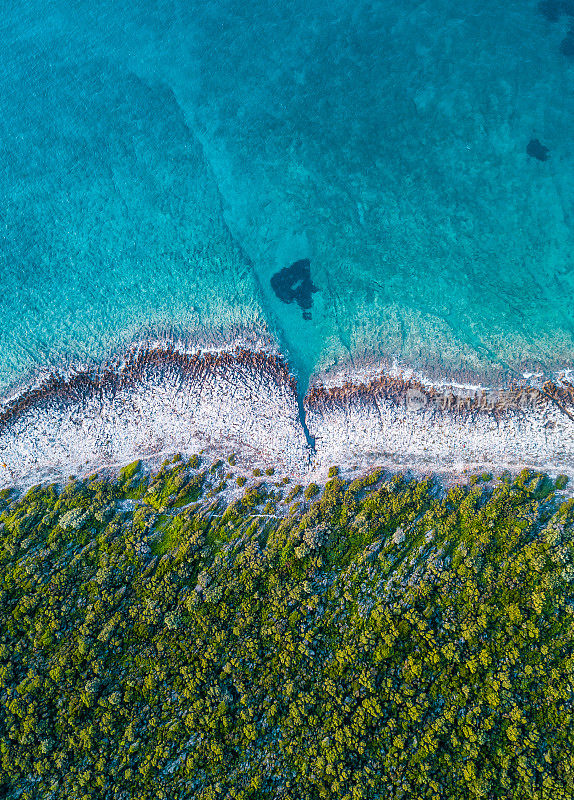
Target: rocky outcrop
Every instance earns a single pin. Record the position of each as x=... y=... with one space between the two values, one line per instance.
x=416 y=396
x=143 y=364
x=405 y=423
x=155 y=401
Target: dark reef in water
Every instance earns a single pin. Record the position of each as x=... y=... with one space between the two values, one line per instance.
x=536 y=149
x=567 y=44
x=294 y=284
x=552 y=10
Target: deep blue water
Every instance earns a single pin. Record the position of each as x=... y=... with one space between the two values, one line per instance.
x=160 y=162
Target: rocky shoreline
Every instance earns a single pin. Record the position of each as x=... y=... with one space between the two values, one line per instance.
x=141 y=364
x=163 y=400
x=416 y=396
x=153 y=402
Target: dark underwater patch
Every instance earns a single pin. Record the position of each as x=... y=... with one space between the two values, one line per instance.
x=567 y=44
x=294 y=284
x=552 y=10
x=536 y=149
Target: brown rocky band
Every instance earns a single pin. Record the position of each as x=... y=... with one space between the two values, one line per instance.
x=151 y=364
x=415 y=396
x=142 y=364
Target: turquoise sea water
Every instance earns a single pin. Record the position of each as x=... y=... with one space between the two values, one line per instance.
x=161 y=161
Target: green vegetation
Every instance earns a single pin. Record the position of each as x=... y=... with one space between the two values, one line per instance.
x=382 y=639
x=295 y=492
x=311 y=491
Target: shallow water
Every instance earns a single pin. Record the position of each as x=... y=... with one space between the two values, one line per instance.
x=161 y=162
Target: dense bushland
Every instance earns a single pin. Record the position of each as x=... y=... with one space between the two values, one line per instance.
x=382 y=638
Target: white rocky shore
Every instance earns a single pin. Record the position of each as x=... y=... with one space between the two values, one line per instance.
x=216 y=402
x=158 y=403
x=440 y=441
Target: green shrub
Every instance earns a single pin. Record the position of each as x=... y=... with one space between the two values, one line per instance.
x=295 y=491
x=254 y=495
x=311 y=491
